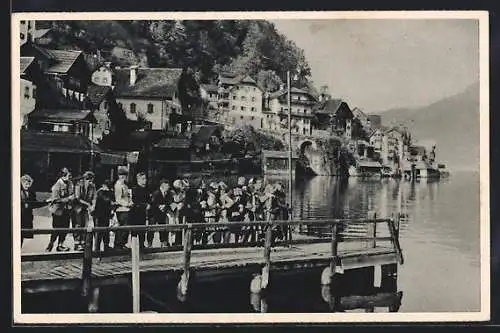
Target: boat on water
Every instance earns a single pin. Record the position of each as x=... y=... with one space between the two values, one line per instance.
x=443 y=170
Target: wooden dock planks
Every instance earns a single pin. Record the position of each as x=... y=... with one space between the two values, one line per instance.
x=214 y=261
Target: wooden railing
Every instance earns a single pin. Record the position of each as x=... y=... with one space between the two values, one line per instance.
x=262 y=227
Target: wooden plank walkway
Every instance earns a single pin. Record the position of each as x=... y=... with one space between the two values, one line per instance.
x=210 y=261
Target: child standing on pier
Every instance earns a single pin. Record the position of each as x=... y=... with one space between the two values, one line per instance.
x=124 y=202
x=102 y=212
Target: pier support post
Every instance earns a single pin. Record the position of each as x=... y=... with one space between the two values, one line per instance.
x=258 y=302
x=389 y=277
x=87 y=262
x=372 y=230
x=93 y=305
x=260 y=282
x=182 y=286
x=136 y=282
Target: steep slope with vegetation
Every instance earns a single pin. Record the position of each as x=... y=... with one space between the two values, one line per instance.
x=252 y=47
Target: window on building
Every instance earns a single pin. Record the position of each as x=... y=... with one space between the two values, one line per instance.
x=105 y=105
x=243 y=98
x=253 y=98
x=234 y=107
x=61 y=128
x=133 y=108
x=243 y=108
x=241 y=117
x=234 y=97
x=150 y=108
x=23 y=22
x=26 y=92
x=29 y=24
x=261 y=123
x=304 y=131
x=252 y=118
x=33 y=92
x=253 y=109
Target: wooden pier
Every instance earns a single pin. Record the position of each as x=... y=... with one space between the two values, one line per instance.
x=341 y=251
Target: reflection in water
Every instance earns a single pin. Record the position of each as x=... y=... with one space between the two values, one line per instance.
x=439 y=231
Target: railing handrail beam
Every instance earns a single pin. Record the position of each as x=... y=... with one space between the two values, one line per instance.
x=177 y=227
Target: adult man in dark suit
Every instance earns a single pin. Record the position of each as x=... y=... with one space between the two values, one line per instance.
x=161 y=211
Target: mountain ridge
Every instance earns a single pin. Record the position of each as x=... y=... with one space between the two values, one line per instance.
x=452 y=123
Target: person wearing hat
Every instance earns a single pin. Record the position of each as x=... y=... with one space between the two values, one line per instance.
x=85 y=192
x=28 y=203
x=102 y=212
x=62 y=196
x=123 y=199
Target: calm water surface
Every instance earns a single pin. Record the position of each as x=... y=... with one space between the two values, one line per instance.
x=439 y=237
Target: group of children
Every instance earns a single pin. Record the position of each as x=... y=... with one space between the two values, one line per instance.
x=174 y=202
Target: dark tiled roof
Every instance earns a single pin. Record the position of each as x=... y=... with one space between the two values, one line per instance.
x=56 y=142
x=151 y=82
x=114 y=158
x=210 y=87
x=25 y=62
x=64 y=60
x=63 y=114
x=359 y=113
x=96 y=94
x=280 y=93
x=329 y=106
x=182 y=143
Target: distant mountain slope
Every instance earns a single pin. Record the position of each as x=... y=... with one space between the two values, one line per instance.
x=453 y=123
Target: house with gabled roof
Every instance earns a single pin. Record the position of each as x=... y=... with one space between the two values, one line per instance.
x=334 y=115
x=65 y=70
x=276 y=110
x=150 y=94
x=240 y=100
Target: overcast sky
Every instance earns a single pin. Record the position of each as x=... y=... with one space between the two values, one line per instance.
x=382 y=64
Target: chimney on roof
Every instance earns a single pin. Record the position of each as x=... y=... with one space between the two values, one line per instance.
x=133 y=74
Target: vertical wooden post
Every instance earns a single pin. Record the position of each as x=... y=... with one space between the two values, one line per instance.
x=395 y=240
x=136 y=282
x=334 y=246
x=397 y=222
x=267 y=257
x=188 y=242
x=372 y=229
x=87 y=263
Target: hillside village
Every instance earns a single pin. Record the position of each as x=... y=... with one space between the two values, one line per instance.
x=89 y=111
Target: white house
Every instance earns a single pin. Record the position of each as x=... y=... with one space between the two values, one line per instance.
x=148 y=93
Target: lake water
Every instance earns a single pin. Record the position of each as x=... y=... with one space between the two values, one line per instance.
x=439 y=236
